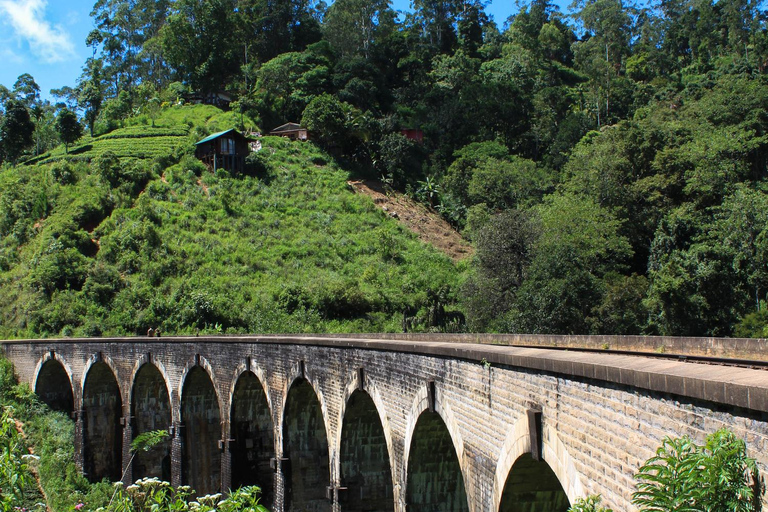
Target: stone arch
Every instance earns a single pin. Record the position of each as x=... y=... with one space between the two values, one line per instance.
x=200 y=428
x=151 y=409
x=149 y=359
x=100 y=357
x=203 y=363
x=533 y=486
x=53 y=383
x=561 y=463
x=252 y=433
x=422 y=418
x=370 y=387
x=554 y=453
x=306 y=472
x=364 y=453
x=260 y=374
x=295 y=372
x=102 y=406
x=302 y=371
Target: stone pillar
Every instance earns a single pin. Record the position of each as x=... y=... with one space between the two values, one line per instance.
x=226 y=466
x=80 y=439
x=279 y=485
x=176 y=451
x=226 y=457
x=335 y=494
x=125 y=421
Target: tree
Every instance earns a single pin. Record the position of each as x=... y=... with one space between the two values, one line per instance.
x=601 y=55
x=198 y=41
x=90 y=94
x=505 y=249
x=742 y=226
x=287 y=83
x=270 y=28
x=26 y=90
x=42 y=112
x=68 y=127
x=512 y=183
x=326 y=118
x=580 y=244
x=695 y=289
x=398 y=160
x=123 y=31
x=435 y=21
x=16 y=130
x=353 y=26
x=67 y=96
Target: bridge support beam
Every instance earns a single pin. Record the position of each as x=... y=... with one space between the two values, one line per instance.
x=79 y=439
x=176 y=454
x=226 y=462
x=125 y=421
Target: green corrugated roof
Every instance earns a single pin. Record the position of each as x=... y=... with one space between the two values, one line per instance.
x=214 y=136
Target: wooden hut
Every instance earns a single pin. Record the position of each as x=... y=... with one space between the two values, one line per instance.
x=224 y=150
x=293 y=131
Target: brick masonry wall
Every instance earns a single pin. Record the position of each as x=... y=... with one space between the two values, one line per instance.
x=598 y=425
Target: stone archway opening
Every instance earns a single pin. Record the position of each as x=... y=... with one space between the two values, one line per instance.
x=200 y=433
x=151 y=410
x=253 y=434
x=435 y=482
x=533 y=486
x=305 y=444
x=364 y=458
x=54 y=387
x=102 y=432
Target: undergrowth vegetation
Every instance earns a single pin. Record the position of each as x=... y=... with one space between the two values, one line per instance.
x=115 y=241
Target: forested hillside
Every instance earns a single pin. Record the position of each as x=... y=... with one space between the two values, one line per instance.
x=97 y=242
x=608 y=164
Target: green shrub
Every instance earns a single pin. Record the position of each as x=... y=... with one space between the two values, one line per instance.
x=63 y=173
x=683 y=476
x=158 y=496
x=589 y=504
x=102 y=283
x=59 y=269
x=190 y=163
x=258 y=164
x=108 y=166
x=14 y=472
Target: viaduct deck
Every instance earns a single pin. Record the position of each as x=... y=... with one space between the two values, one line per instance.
x=375 y=422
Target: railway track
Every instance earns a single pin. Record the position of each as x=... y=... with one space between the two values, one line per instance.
x=754 y=364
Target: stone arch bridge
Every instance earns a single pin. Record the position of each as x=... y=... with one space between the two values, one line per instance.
x=395 y=423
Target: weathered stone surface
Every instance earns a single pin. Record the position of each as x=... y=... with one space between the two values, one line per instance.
x=602 y=415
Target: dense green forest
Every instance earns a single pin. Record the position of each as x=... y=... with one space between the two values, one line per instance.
x=608 y=164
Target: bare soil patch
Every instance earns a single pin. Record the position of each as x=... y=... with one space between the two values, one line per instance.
x=425 y=222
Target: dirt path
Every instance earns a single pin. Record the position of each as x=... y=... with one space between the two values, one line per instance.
x=425 y=222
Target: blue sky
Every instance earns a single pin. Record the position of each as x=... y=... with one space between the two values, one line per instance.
x=47 y=38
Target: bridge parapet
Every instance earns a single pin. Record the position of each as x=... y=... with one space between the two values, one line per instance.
x=732 y=348
x=385 y=398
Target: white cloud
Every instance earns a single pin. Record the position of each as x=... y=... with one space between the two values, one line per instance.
x=46 y=41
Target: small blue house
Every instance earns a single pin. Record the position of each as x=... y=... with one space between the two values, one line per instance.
x=224 y=150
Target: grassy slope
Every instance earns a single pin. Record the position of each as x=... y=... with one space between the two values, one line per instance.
x=290 y=249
